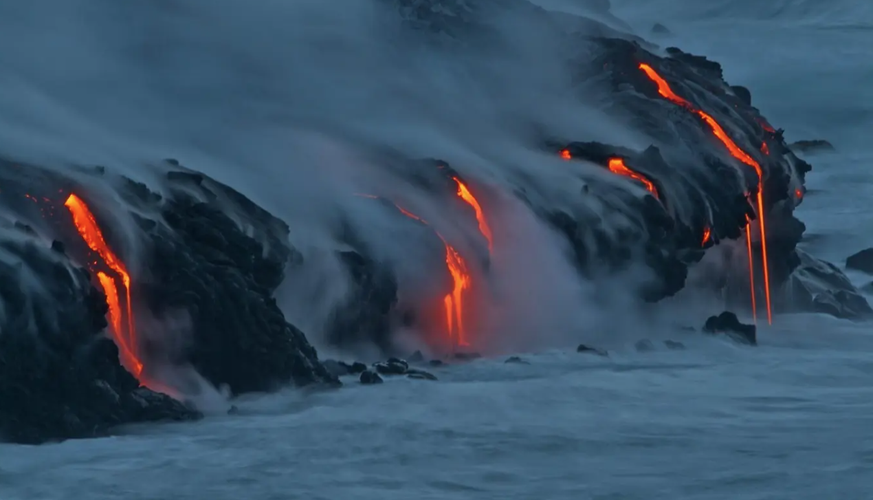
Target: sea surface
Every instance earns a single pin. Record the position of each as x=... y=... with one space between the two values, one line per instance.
x=791 y=419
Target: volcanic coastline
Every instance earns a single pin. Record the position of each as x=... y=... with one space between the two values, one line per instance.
x=122 y=300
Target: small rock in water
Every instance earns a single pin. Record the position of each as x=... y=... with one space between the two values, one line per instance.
x=728 y=323
x=369 y=377
x=591 y=350
x=393 y=366
x=420 y=375
x=417 y=357
x=644 y=345
x=516 y=360
x=436 y=362
x=672 y=344
x=467 y=356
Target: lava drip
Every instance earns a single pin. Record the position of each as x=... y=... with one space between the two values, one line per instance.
x=90 y=232
x=467 y=196
x=665 y=91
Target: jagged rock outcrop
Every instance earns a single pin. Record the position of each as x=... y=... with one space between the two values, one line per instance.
x=819 y=286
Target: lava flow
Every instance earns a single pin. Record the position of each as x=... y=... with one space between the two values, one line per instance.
x=617 y=166
x=707 y=233
x=454 y=300
x=467 y=196
x=665 y=91
x=90 y=232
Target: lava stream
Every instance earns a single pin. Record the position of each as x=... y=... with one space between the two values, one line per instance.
x=665 y=91
x=90 y=232
x=453 y=302
x=617 y=166
x=707 y=233
x=467 y=196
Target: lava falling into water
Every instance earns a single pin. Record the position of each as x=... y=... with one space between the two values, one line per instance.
x=453 y=302
x=665 y=91
x=90 y=232
x=467 y=196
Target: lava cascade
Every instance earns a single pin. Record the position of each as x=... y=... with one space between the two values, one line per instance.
x=90 y=232
x=453 y=302
x=665 y=91
x=467 y=196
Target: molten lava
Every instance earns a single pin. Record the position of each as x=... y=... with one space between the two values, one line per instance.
x=665 y=91
x=565 y=154
x=467 y=196
x=453 y=302
x=617 y=166
x=90 y=232
x=765 y=149
x=707 y=233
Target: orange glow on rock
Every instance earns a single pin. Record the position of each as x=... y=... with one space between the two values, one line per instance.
x=617 y=166
x=765 y=149
x=706 y=235
x=467 y=196
x=665 y=91
x=565 y=154
x=90 y=232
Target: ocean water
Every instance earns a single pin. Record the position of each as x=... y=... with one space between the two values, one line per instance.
x=789 y=419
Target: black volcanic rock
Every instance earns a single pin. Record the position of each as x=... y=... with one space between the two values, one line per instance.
x=60 y=377
x=660 y=29
x=369 y=377
x=861 y=261
x=819 y=286
x=224 y=275
x=728 y=323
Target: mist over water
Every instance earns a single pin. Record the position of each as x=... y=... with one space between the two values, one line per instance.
x=294 y=103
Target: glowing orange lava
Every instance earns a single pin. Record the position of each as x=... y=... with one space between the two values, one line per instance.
x=617 y=166
x=565 y=154
x=665 y=91
x=90 y=232
x=453 y=302
x=765 y=149
x=467 y=196
x=706 y=235
x=798 y=193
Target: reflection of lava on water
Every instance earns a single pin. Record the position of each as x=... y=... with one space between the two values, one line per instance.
x=91 y=234
x=665 y=91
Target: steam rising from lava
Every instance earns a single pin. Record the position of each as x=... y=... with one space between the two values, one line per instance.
x=296 y=104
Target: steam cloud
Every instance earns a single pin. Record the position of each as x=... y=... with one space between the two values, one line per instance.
x=302 y=104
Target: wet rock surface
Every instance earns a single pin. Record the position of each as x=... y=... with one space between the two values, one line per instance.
x=369 y=377
x=727 y=323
